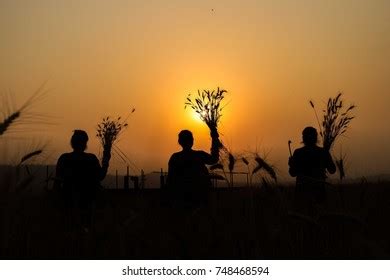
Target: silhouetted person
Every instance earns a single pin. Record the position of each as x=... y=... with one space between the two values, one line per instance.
x=187 y=187
x=309 y=164
x=78 y=176
x=188 y=177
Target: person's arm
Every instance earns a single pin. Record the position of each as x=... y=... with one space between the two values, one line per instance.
x=293 y=166
x=105 y=163
x=330 y=166
x=101 y=170
x=216 y=145
x=171 y=177
x=59 y=178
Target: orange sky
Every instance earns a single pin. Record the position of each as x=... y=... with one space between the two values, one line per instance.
x=105 y=57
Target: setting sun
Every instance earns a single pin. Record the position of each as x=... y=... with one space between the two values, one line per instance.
x=259 y=130
x=271 y=58
x=195 y=116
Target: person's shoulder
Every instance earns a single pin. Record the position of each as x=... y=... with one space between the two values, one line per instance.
x=200 y=153
x=64 y=156
x=321 y=150
x=300 y=150
x=91 y=156
x=175 y=156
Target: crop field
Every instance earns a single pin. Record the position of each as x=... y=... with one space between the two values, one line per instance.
x=237 y=223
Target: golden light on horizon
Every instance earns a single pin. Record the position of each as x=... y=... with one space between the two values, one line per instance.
x=271 y=59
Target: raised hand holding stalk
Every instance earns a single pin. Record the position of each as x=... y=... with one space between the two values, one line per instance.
x=108 y=131
x=208 y=105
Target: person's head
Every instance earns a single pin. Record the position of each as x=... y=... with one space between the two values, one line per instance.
x=186 y=140
x=309 y=136
x=79 y=140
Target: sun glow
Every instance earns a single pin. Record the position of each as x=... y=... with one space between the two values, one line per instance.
x=196 y=117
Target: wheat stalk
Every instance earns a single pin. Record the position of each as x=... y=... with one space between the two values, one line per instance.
x=8 y=121
x=340 y=164
x=263 y=165
x=335 y=121
x=315 y=112
x=23 y=114
x=228 y=159
x=208 y=105
x=231 y=164
x=30 y=155
x=108 y=132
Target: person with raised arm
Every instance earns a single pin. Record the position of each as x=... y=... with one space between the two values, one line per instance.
x=309 y=165
x=188 y=177
x=78 y=177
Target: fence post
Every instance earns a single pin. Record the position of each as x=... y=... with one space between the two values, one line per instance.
x=136 y=182
x=162 y=179
x=47 y=177
x=126 y=184
x=116 y=179
x=142 y=184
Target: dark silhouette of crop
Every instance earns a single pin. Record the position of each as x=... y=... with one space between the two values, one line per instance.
x=23 y=115
x=208 y=105
x=108 y=132
x=336 y=120
x=335 y=123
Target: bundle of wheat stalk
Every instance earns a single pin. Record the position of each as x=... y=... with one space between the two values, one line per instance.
x=109 y=131
x=208 y=105
x=334 y=124
x=335 y=121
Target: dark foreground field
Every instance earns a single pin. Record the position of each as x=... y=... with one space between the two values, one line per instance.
x=240 y=223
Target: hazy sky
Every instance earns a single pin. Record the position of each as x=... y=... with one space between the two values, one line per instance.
x=105 y=57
